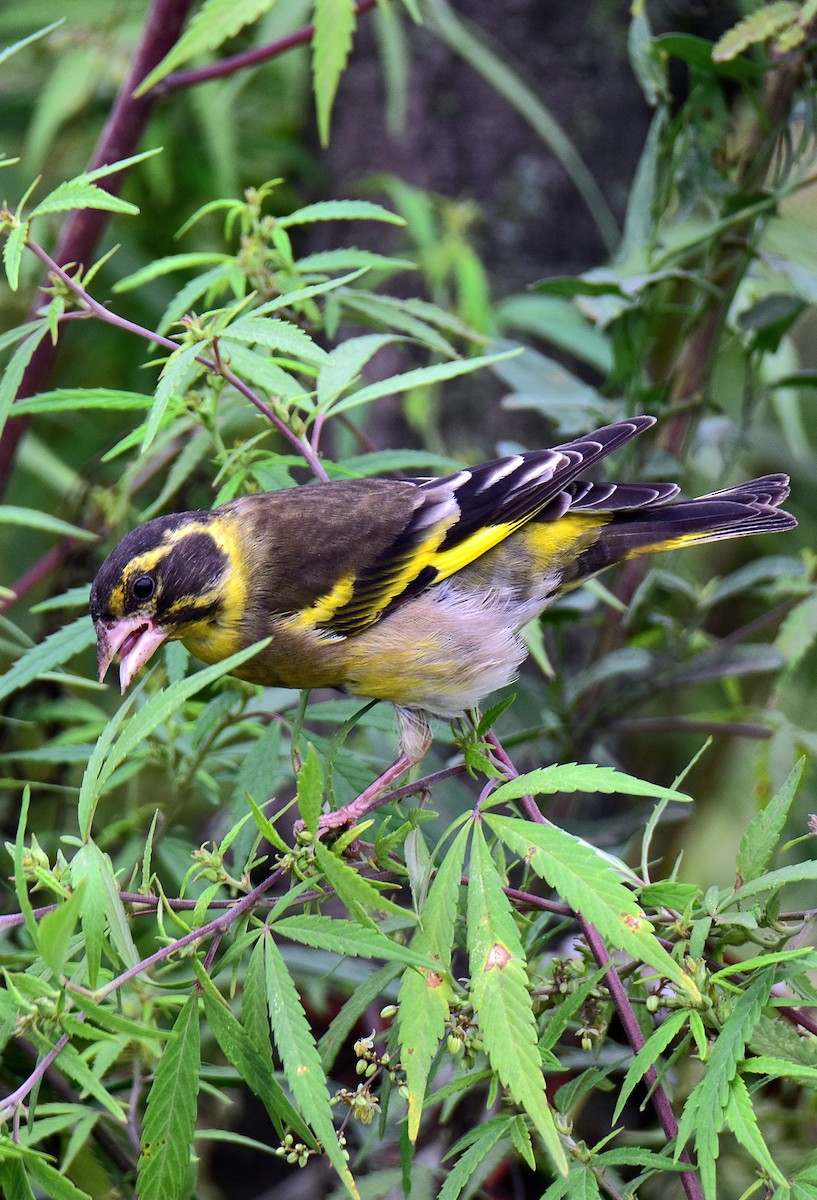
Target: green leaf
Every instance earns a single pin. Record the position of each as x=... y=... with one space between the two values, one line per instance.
x=30 y=518
x=170 y=1118
x=13 y=249
x=758 y=26
x=573 y=777
x=310 y=789
x=239 y=1049
x=486 y=1137
x=798 y=631
x=102 y=908
x=340 y=210
x=57 y=931
x=500 y=993
x=347 y=937
x=705 y=1108
x=425 y=996
x=334 y=23
x=356 y=892
x=50 y=1181
x=796 y=873
x=15 y=47
x=741 y=1118
x=299 y=1056
x=81 y=400
x=279 y=335
x=54 y=651
x=346 y=362
x=647 y=1057
x=590 y=885
x=215 y=23
x=760 y=840
x=80 y=194
x=420 y=377
x=669 y=893
x=177 y=375
x=158 y=708
x=15 y=369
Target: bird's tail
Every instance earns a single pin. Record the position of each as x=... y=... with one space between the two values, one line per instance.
x=749 y=508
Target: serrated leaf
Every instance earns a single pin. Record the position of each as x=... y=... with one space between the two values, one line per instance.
x=13 y=248
x=347 y=937
x=741 y=1119
x=781 y=1068
x=334 y=23
x=589 y=884
x=215 y=23
x=15 y=369
x=758 y=26
x=346 y=362
x=177 y=374
x=80 y=400
x=101 y=908
x=647 y=1057
x=300 y=1058
x=50 y=1181
x=170 y=1118
x=760 y=840
x=486 y=1137
x=425 y=995
x=771 y=881
x=80 y=194
x=501 y=997
x=584 y=777
x=356 y=892
x=704 y=1110
x=339 y=210
x=798 y=631
x=278 y=335
x=52 y=652
x=239 y=1049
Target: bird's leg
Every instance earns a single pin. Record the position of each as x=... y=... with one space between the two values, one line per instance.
x=368 y=799
x=415 y=739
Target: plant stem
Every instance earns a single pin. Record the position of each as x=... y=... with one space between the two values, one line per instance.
x=212 y=364
x=241 y=62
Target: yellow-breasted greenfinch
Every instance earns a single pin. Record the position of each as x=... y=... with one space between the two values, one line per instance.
x=412 y=591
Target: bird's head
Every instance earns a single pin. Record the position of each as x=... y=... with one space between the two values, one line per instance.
x=172 y=578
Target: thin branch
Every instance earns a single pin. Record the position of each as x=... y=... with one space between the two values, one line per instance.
x=212 y=364
x=242 y=62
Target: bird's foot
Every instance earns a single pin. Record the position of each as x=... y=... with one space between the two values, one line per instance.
x=369 y=799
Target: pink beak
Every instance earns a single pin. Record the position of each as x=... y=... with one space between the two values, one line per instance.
x=135 y=638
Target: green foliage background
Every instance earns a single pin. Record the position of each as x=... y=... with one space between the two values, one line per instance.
x=364 y=334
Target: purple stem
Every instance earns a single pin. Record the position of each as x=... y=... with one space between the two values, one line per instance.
x=215 y=365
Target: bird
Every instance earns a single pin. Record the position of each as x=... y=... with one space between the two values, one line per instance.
x=412 y=591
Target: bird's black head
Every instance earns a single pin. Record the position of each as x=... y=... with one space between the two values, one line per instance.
x=160 y=580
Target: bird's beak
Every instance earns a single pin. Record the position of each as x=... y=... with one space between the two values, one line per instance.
x=134 y=638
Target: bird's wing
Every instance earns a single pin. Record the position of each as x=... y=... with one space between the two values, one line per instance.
x=460 y=517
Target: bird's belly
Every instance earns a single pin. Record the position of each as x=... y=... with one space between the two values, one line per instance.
x=441 y=652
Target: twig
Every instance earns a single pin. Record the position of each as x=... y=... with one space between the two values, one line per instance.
x=212 y=364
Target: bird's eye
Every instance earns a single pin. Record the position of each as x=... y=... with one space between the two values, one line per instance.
x=143 y=587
